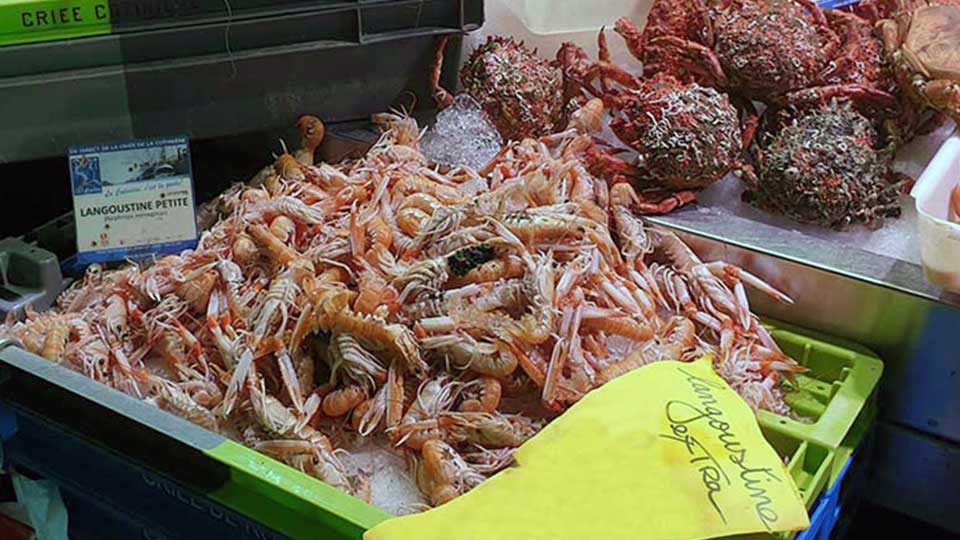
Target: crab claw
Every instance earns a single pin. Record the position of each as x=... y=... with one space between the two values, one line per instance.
x=663 y=202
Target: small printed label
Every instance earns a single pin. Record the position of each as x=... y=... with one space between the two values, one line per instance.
x=132 y=199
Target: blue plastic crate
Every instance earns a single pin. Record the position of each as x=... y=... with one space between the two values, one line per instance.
x=827 y=512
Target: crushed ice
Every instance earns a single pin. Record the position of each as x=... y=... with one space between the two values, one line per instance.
x=392 y=487
x=462 y=135
x=896 y=239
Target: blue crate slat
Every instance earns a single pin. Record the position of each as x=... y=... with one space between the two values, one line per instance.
x=827 y=511
x=817 y=519
x=8 y=423
x=835 y=4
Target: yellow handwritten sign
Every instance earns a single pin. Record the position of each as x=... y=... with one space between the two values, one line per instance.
x=667 y=452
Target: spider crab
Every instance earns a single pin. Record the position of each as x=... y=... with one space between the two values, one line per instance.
x=922 y=42
x=779 y=52
x=686 y=136
x=823 y=165
x=518 y=90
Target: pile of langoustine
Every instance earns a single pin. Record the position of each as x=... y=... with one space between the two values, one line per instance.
x=380 y=299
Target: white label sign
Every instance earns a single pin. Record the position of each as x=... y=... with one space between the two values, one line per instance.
x=132 y=198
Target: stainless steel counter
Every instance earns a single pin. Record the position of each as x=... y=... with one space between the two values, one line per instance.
x=902 y=276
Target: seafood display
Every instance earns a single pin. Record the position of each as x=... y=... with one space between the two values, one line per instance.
x=800 y=170
x=801 y=62
x=689 y=117
x=446 y=316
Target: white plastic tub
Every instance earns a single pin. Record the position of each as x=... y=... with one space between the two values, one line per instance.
x=939 y=239
x=546 y=24
x=564 y=16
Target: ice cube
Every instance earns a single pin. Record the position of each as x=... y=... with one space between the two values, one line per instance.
x=462 y=135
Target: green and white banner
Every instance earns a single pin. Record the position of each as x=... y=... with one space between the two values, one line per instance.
x=25 y=21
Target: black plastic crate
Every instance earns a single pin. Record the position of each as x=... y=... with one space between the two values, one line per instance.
x=141 y=468
x=110 y=493
x=124 y=16
x=340 y=23
x=90 y=520
x=220 y=77
x=131 y=15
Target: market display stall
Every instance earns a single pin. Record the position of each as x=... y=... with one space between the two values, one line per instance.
x=391 y=312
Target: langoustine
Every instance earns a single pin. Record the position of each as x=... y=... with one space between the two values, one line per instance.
x=350 y=300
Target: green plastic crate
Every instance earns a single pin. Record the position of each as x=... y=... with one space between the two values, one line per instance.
x=853 y=440
x=833 y=393
x=299 y=506
x=291 y=502
x=810 y=465
x=830 y=397
x=811 y=488
x=836 y=403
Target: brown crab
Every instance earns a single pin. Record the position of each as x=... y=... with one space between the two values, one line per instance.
x=776 y=51
x=922 y=41
x=822 y=165
x=686 y=136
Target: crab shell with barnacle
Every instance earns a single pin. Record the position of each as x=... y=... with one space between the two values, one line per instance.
x=922 y=42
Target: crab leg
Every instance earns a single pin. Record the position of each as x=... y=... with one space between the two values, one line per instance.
x=632 y=35
x=855 y=92
x=749 y=120
x=440 y=94
x=697 y=58
x=663 y=202
x=814 y=10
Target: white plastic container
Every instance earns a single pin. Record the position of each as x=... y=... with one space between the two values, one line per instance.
x=939 y=239
x=546 y=24
x=565 y=16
